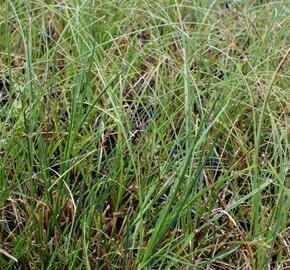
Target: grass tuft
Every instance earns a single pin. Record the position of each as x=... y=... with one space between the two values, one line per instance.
x=144 y=134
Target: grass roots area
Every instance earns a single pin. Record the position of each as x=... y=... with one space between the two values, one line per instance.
x=144 y=134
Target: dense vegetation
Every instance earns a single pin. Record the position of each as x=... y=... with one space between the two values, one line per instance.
x=144 y=134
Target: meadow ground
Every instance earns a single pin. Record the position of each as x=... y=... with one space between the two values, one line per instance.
x=144 y=134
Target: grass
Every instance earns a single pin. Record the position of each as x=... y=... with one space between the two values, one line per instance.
x=144 y=134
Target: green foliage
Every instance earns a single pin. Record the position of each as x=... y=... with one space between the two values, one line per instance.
x=144 y=134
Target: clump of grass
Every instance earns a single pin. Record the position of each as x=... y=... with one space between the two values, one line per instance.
x=144 y=135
